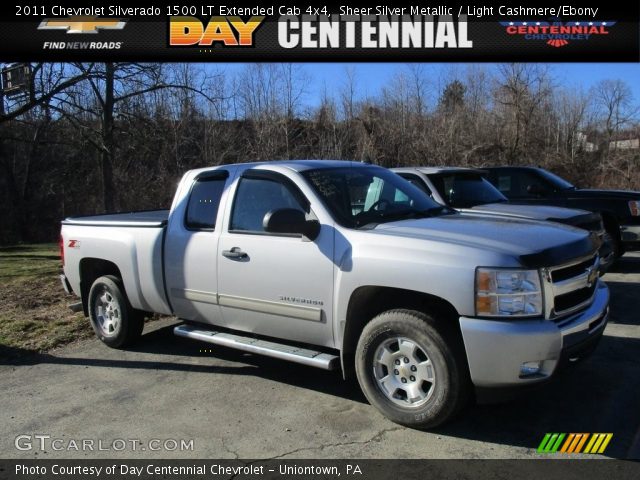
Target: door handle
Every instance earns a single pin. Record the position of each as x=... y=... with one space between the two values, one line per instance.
x=234 y=253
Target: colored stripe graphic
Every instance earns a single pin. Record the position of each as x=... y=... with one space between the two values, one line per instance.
x=606 y=442
x=574 y=442
x=551 y=442
x=598 y=442
x=582 y=442
x=566 y=445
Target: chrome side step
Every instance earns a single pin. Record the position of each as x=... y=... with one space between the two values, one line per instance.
x=304 y=356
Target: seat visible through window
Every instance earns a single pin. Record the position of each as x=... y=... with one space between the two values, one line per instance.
x=255 y=198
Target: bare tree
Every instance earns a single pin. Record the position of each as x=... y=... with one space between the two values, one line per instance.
x=521 y=91
x=573 y=107
x=418 y=87
x=613 y=102
x=48 y=83
x=108 y=87
x=348 y=94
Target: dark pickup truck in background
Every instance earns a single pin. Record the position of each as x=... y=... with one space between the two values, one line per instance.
x=468 y=191
x=620 y=209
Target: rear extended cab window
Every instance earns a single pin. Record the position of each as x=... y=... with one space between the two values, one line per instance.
x=204 y=200
x=465 y=189
x=515 y=184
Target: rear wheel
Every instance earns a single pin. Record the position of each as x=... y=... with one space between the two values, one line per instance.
x=411 y=371
x=115 y=322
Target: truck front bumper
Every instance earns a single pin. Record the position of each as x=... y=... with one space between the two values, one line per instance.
x=504 y=354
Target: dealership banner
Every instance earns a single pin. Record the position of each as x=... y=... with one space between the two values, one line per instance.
x=313 y=31
x=125 y=469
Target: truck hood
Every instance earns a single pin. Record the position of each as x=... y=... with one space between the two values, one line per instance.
x=534 y=244
x=568 y=216
x=535 y=212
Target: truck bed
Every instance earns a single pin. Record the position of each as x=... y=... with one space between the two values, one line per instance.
x=129 y=243
x=149 y=218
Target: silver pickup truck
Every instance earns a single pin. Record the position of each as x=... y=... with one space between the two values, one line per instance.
x=344 y=265
x=468 y=191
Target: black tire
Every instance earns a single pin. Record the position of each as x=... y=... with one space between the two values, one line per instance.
x=444 y=397
x=115 y=322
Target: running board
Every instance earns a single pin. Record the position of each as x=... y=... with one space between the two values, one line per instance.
x=304 y=356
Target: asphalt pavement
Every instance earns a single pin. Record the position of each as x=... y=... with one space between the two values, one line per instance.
x=175 y=398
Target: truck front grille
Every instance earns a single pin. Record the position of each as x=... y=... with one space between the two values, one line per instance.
x=572 y=287
x=569 y=300
x=565 y=273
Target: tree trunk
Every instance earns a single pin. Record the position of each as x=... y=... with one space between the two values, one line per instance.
x=108 y=192
x=14 y=224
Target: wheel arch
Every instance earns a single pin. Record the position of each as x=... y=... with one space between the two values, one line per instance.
x=368 y=301
x=90 y=270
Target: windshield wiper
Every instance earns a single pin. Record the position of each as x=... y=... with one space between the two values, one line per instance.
x=406 y=215
x=429 y=212
x=441 y=209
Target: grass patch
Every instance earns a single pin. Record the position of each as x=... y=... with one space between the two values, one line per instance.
x=28 y=261
x=34 y=313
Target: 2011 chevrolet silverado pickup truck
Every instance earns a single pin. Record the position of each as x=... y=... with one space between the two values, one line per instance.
x=620 y=209
x=344 y=265
x=468 y=191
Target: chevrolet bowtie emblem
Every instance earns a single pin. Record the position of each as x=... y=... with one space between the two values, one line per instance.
x=82 y=24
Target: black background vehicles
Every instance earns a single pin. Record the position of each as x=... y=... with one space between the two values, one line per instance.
x=620 y=209
x=468 y=191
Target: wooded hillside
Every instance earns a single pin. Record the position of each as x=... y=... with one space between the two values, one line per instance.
x=94 y=137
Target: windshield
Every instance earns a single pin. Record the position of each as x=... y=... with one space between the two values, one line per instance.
x=370 y=195
x=558 y=182
x=466 y=190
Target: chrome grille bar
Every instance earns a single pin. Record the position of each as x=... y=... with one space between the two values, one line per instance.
x=583 y=283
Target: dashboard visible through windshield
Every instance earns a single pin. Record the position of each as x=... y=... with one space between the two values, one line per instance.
x=369 y=195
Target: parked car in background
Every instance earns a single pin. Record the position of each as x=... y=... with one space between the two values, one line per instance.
x=620 y=209
x=467 y=191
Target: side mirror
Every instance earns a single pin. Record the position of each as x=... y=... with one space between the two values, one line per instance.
x=291 y=221
x=535 y=189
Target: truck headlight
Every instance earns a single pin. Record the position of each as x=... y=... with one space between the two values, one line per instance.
x=508 y=293
x=634 y=207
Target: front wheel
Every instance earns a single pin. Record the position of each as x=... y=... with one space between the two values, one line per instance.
x=115 y=322
x=410 y=369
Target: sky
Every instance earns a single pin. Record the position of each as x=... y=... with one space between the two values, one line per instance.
x=370 y=77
